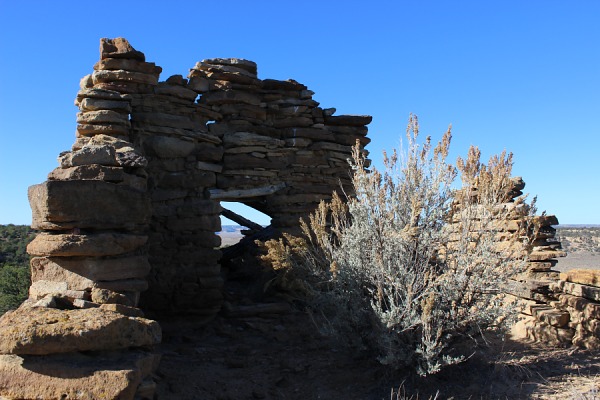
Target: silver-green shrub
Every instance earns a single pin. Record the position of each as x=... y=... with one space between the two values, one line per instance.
x=409 y=266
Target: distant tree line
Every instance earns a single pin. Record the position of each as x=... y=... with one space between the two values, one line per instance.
x=14 y=265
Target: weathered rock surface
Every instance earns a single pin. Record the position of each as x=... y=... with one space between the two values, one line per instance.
x=78 y=272
x=90 y=245
x=61 y=205
x=588 y=277
x=119 y=48
x=40 y=331
x=74 y=376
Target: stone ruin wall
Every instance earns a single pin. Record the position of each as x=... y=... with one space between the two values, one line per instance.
x=151 y=163
x=558 y=309
x=130 y=216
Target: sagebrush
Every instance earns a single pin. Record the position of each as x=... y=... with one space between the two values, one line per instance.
x=408 y=266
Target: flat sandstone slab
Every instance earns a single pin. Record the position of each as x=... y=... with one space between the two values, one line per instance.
x=40 y=331
x=576 y=289
x=60 y=205
x=74 y=376
x=91 y=245
x=590 y=277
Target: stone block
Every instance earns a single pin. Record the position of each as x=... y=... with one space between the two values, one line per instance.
x=577 y=303
x=277 y=85
x=102 y=155
x=123 y=309
x=40 y=289
x=61 y=205
x=208 y=152
x=290 y=122
x=553 y=317
x=163 y=119
x=550 y=335
x=592 y=310
x=350 y=120
x=91 y=172
x=90 y=130
x=80 y=272
x=104 y=76
x=43 y=270
x=119 y=48
x=40 y=331
x=97 y=104
x=245 y=139
x=237 y=161
x=103 y=117
x=80 y=303
x=90 y=245
x=204 y=166
x=583 y=339
x=124 y=285
x=592 y=325
x=544 y=255
x=585 y=291
x=237 y=65
x=127 y=65
x=101 y=94
x=175 y=91
x=168 y=147
x=590 y=277
x=347 y=150
x=187 y=180
x=199 y=84
x=308 y=133
x=75 y=376
x=105 y=296
x=545 y=220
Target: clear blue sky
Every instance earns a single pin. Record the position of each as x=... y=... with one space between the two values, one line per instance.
x=517 y=75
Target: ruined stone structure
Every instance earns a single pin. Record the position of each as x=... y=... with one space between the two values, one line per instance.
x=565 y=312
x=129 y=217
x=153 y=160
x=559 y=309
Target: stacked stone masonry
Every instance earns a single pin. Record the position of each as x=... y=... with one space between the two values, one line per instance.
x=128 y=219
x=152 y=161
x=559 y=309
x=564 y=312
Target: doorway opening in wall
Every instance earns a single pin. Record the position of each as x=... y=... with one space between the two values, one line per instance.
x=239 y=220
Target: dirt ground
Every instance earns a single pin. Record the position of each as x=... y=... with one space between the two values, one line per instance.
x=284 y=357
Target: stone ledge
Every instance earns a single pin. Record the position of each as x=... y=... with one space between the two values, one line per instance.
x=75 y=376
x=41 y=331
